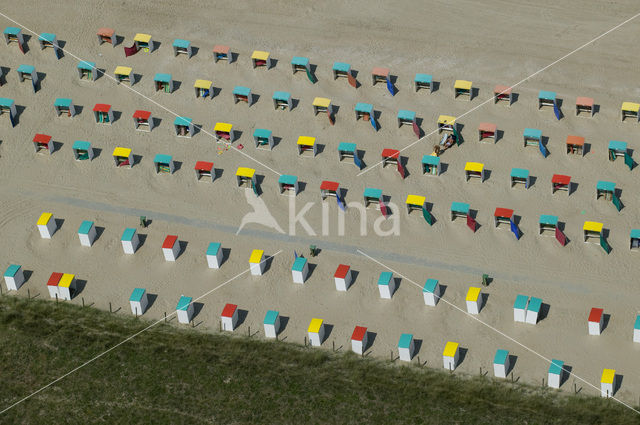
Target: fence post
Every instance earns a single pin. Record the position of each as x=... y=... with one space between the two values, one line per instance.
x=165 y=317
x=82 y=302
x=110 y=307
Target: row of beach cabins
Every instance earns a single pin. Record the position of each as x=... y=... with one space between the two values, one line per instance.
x=526 y=309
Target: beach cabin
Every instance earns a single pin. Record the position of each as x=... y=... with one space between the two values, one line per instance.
x=630 y=110
x=561 y=182
x=450 y=355
x=307 y=146
x=501 y=363
x=246 y=177
x=263 y=139
x=66 y=286
x=634 y=240
x=556 y=373
x=406 y=347
x=595 y=321
x=372 y=196
x=28 y=72
x=242 y=94
x=299 y=63
x=487 y=130
x=222 y=52
x=214 y=255
x=87 y=233
x=386 y=285
x=47 y=225
x=49 y=41
x=288 y=185
x=446 y=123
x=584 y=105
x=14 y=35
x=256 y=262
x=14 y=277
x=300 y=270
x=282 y=100
x=406 y=117
x=342 y=277
x=143 y=120
x=380 y=75
x=224 y=130
x=503 y=216
x=431 y=292
x=64 y=106
x=271 y=324
x=329 y=188
x=533 y=310
x=184 y=310
x=86 y=70
x=203 y=88
x=163 y=164
x=473 y=300
x=183 y=126
x=416 y=202
x=608 y=383
x=124 y=74
x=575 y=145
x=423 y=81
x=359 y=340
x=520 y=176
x=107 y=35
x=143 y=42
x=205 y=171
x=342 y=70
x=43 y=143
x=390 y=156
x=260 y=58
x=139 y=301
x=364 y=111
x=636 y=329
x=475 y=170
x=322 y=104
x=130 y=240
x=316 y=332
x=171 y=248
x=463 y=88
x=520 y=308
x=502 y=94
x=103 y=113
x=547 y=223
x=163 y=82
x=52 y=284
x=229 y=317
x=605 y=189
x=123 y=157
x=532 y=137
x=182 y=47
x=346 y=150
x=547 y=98
x=8 y=106
x=616 y=149
x=592 y=229
x=459 y=209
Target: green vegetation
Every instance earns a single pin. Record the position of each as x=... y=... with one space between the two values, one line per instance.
x=169 y=375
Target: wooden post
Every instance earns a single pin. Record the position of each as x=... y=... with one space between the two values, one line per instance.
x=165 y=317
x=136 y=312
x=28 y=294
x=56 y=298
x=83 y=302
x=543 y=382
x=305 y=341
x=249 y=330
x=333 y=346
x=110 y=311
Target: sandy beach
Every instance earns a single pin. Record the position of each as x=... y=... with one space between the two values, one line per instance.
x=490 y=43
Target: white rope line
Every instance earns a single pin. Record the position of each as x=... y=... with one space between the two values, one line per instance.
x=495 y=330
x=200 y=128
x=512 y=87
x=91 y=360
